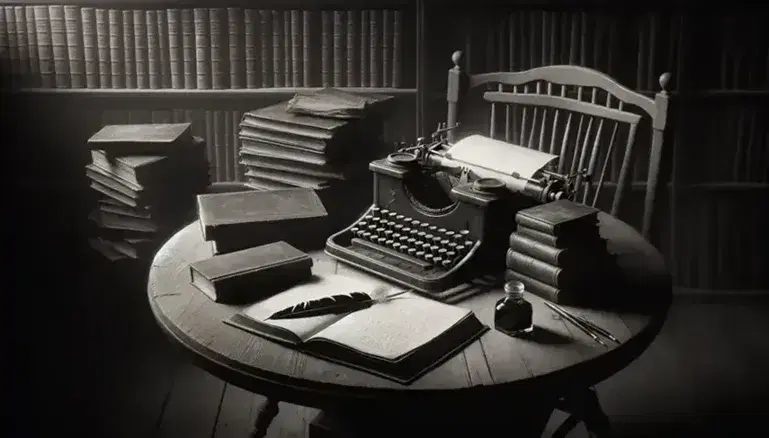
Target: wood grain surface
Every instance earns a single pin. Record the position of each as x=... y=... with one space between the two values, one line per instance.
x=556 y=358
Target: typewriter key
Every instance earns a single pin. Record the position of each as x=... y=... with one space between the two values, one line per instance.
x=428 y=237
x=390 y=224
x=375 y=220
x=405 y=230
x=446 y=264
x=442 y=252
x=411 y=240
x=354 y=230
x=388 y=234
x=437 y=260
x=452 y=246
x=397 y=228
x=426 y=247
x=383 y=212
x=458 y=237
x=373 y=237
x=374 y=210
x=464 y=233
x=433 y=228
x=403 y=239
x=437 y=240
x=468 y=243
x=389 y=242
x=366 y=235
x=399 y=218
x=419 y=254
x=445 y=242
x=418 y=243
x=415 y=223
x=450 y=256
x=459 y=249
x=411 y=251
x=434 y=249
x=397 y=246
x=380 y=230
x=362 y=224
x=428 y=257
x=368 y=217
x=392 y=215
x=441 y=230
x=381 y=240
x=449 y=233
x=424 y=226
x=396 y=236
x=421 y=235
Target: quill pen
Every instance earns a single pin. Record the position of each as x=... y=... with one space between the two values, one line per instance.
x=332 y=305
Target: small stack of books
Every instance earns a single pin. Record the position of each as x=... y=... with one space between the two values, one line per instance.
x=557 y=252
x=146 y=178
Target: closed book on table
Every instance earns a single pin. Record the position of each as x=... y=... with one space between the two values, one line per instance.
x=251 y=274
x=545 y=272
x=559 y=218
x=574 y=255
x=247 y=218
x=399 y=339
x=143 y=139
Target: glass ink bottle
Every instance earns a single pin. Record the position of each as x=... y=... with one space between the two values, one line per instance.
x=513 y=315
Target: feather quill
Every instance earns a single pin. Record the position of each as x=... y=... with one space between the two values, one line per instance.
x=332 y=305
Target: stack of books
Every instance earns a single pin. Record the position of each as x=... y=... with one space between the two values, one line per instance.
x=146 y=178
x=558 y=253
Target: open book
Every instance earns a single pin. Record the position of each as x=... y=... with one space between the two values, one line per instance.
x=399 y=339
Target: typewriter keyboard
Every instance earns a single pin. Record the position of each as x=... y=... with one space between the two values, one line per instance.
x=412 y=245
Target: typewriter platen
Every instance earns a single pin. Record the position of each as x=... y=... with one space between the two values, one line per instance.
x=438 y=220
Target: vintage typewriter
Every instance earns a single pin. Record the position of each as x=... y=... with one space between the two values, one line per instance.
x=442 y=214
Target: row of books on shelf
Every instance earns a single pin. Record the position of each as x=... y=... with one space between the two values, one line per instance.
x=200 y=48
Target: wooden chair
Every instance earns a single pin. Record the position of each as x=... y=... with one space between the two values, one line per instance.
x=577 y=113
x=581 y=115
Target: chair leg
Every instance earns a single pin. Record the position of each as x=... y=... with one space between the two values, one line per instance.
x=585 y=407
x=265 y=414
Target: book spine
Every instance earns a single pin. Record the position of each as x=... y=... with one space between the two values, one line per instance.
x=535 y=224
x=103 y=48
x=21 y=39
x=219 y=74
x=387 y=30
x=365 y=26
x=235 y=21
x=90 y=48
x=59 y=46
x=307 y=55
x=202 y=48
x=188 y=48
x=153 y=49
x=34 y=59
x=539 y=251
x=397 y=80
x=11 y=44
x=534 y=286
x=226 y=146
x=538 y=236
x=296 y=48
x=164 y=52
x=326 y=58
x=175 y=54
x=286 y=44
x=129 y=49
x=339 y=50
x=253 y=64
x=534 y=268
x=264 y=46
x=352 y=38
x=5 y=67
x=211 y=144
x=141 y=54
x=44 y=48
x=375 y=43
x=116 y=50
x=277 y=50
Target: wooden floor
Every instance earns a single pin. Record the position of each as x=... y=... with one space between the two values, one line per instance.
x=706 y=373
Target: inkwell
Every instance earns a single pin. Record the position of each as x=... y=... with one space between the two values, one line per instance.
x=513 y=315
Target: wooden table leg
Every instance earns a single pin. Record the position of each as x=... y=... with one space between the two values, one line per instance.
x=264 y=416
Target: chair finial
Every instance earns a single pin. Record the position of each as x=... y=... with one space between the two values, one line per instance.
x=664 y=81
x=456 y=57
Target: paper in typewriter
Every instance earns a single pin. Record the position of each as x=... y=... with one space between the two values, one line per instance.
x=500 y=156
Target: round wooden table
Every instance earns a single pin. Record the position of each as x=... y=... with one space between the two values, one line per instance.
x=494 y=371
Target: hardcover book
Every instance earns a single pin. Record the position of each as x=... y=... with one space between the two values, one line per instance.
x=246 y=218
x=144 y=139
x=559 y=218
x=252 y=273
x=560 y=242
x=399 y=339
x=572 y=256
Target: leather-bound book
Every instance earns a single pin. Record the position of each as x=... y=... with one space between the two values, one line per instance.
x=568 y=256
x=559 y=218
x=144 y=139
x=560 y=242
x=240 y=220
x=251 y=274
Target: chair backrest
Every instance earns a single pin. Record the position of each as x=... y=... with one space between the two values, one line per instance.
x=574 y=112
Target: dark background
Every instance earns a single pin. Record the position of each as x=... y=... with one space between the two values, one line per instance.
x=718 y=147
